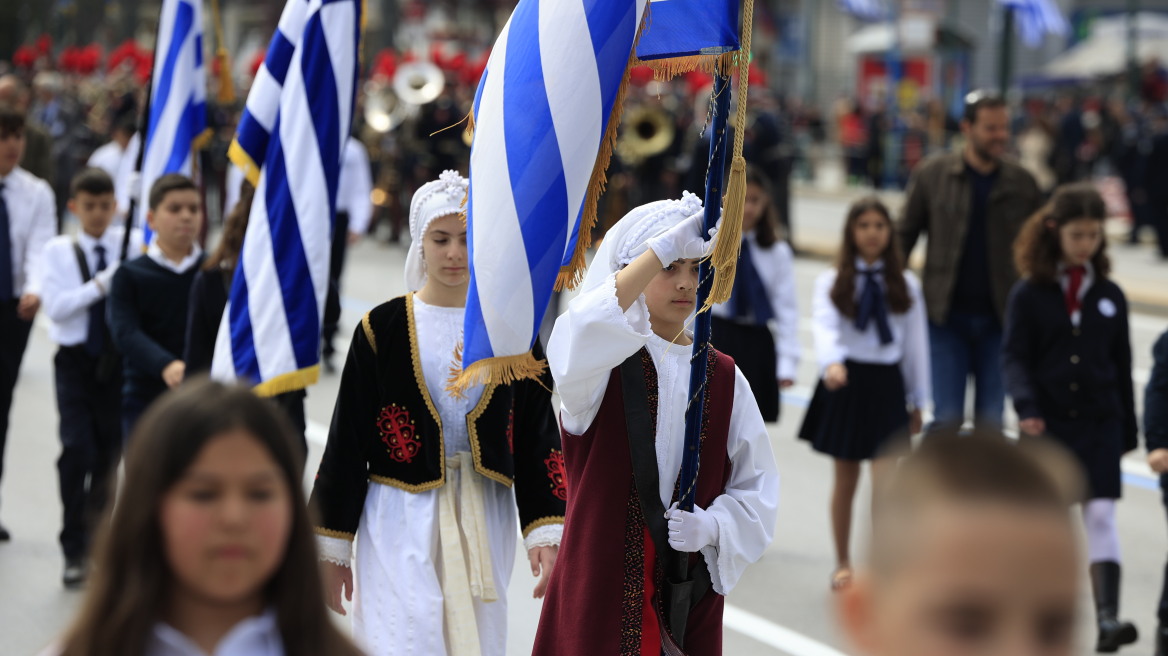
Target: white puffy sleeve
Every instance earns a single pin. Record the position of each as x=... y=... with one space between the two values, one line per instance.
x=915 y=365
x=588 y=341
x=747 y=510
x=335 y=550
x=829 y=349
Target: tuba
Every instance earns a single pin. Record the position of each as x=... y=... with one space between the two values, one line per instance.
x=648 y=131
x=389 y=105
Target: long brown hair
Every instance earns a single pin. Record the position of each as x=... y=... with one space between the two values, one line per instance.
x=843 y=292
x=234 y=228
x=769 y=229
x=131 y=577
x=1037 y=251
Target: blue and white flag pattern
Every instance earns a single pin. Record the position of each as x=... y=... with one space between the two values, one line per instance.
x=178 y=98
x=689 y=28
x=1036 y=19
x=290 y=143
x=869 y=10
x=541 y=112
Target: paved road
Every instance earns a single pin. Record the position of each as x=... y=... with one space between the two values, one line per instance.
x=782 y=607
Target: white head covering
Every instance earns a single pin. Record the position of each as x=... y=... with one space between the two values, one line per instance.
x=441 y=197
x=628 y=238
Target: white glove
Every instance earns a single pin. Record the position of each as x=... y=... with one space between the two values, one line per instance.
x=684 y=241
x=105 y=277
x=691 y=531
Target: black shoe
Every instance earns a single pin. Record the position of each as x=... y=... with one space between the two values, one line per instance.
x=75 y=571
x=1162 y=640
x=5 y=536
x=1113 y=633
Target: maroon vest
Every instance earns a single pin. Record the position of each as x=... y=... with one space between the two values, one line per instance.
x=597 y=600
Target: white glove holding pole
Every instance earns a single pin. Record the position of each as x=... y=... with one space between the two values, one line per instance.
x=684 y=241
x=691 y=531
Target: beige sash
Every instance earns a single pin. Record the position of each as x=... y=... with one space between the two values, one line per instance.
x=465 y=573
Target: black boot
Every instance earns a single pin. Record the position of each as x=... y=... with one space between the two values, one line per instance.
x=1162 y=640
x=1113 y=633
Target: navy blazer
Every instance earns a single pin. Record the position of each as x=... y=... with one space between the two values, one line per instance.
x=1056 y=371
x=1156 y=398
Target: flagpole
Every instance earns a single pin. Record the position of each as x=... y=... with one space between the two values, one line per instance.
x=701 y=345
x=143 y=126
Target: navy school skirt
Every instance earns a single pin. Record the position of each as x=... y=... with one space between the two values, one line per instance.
x=1097 y=445
x=866 y=418
x=753 y=349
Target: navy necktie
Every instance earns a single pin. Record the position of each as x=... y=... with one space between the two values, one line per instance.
x=872 y=307
x=749 y=300
x=95 y=338
x=6 y=293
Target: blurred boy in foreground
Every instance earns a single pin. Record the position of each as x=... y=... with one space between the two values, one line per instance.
x=975 y=553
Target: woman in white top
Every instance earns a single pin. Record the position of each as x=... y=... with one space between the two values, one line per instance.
x=209 y=550
x=871 y=341
x=761 y=316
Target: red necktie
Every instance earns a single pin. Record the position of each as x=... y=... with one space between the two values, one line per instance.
x=1076 y=282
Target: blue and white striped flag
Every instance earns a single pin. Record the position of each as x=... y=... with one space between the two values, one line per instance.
x=869 y=10
x=1036 y=19
x=178 y=98
x=542 y=113
x=290 y=144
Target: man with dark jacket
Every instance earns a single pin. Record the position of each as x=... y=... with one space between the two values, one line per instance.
x=972 y=205
x=1156 y=433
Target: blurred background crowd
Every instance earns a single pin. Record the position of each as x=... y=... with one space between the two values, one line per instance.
x=839 y=98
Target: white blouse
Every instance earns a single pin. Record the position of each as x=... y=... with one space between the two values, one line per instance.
x=591 y=339
x=255 y=636
x=837 y=339
x=776 y=267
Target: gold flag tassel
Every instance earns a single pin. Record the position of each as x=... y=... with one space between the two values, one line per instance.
x=492 y=371
x=729 y=240
x=226 y=94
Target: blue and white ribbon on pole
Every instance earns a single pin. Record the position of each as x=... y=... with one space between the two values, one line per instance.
x=869 y=10
x=290 y=143
x=541 y=115
x=178 y=98
x=1036 y=19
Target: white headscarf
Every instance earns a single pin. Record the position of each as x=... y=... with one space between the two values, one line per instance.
x=441 y=197
x=628 y=238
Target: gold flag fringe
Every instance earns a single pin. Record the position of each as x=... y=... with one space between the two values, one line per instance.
x=729 y=240
x=494 y=371
x=667 y=69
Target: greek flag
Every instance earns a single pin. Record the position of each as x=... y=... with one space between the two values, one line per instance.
x=869 y=10
x=689 y=28
x=290 y=142
x=178 y=98
x=1036 y=19
x=542 y=116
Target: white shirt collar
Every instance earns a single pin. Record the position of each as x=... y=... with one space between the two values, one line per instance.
x=254 y=636
x=154 y=252
x=862 y=265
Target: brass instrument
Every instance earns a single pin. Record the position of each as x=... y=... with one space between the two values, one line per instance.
x=414 y=84
x=646 y=132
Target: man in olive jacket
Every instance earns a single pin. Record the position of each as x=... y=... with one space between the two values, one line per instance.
x=972 y=204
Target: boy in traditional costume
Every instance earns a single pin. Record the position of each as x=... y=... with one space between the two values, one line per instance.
x=620 y=357
x=438 y=527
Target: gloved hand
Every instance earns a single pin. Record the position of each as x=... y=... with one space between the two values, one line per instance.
x=105 y=277
x=134 y=189
x=691 y=531
x=683 y=241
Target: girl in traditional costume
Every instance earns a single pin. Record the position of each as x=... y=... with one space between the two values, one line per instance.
x=430 y=481
x=872 y=343
x=622 y=350
x=762 y=316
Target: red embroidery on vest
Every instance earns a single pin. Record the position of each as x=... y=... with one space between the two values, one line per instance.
x=398 y=433
x=556 y=472
x=511 y=431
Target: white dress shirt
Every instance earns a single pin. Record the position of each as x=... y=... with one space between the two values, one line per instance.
x=32 y=222
x=776 y=268
x=1065 y=284
x=119 y=163
x=255 y=636
x=154 y=252
x=591 y=339
x=64 y=295
x=355 y=186
x=837 y=339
